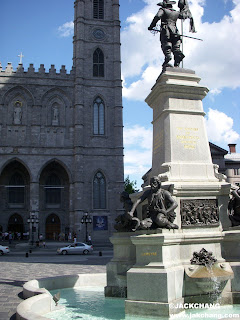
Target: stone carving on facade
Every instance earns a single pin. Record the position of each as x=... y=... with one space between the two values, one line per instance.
x=17 y=113
x=218 y=175
x=234 y=208
x=55 y=115
x=203 y=258
x=199 y=212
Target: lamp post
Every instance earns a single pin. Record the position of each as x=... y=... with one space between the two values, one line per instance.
x=32 y=220
x=86 y=219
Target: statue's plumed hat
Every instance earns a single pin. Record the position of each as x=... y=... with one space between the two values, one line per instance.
x=165 y=3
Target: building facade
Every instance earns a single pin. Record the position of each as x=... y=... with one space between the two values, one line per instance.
x=232 y=164
x=228 y=162
x=61 y=134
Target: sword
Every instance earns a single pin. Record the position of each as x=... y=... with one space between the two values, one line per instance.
x=181 y=35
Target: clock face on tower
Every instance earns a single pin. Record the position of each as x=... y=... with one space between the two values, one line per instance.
x=98 y=34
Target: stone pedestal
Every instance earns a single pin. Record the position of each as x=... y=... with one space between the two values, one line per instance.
x=231 y=253
x=180 y=143
x=156 y=283
x=124 y=257
x=181 y=158
x=181 y=154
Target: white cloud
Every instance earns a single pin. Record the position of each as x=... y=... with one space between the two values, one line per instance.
x=66 y=29
x=216 y=59
x=138 y=150
x=138 y=136
x=220 y=127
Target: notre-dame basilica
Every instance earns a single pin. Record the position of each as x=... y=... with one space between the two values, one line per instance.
x=61 y=135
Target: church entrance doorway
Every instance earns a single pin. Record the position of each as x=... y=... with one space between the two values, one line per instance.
x=53 y=227
x=15 y=224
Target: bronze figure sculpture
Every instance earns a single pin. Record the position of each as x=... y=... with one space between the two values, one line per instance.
x=160 y=208
x=125 y=223
x=169 y=36
x=234 y=208
x=203 y=258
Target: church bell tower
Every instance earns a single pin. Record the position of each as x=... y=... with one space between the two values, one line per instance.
x=98 y=128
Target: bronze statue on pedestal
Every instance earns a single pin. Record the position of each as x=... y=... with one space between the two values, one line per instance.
x=169 y=35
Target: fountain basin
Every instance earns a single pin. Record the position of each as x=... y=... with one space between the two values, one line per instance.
x=39 y=300
x=202 y=280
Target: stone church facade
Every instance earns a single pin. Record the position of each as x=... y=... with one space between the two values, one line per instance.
x=61 y=134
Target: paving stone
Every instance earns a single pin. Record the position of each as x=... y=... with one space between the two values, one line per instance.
x=15 y=271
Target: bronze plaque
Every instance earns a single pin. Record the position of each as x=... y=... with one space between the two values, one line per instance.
x=199 y=213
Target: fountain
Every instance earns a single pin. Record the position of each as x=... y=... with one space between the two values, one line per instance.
x=206 y=276
x=151 y=262
x=181 y=210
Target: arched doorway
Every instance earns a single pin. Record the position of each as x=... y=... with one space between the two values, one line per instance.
x=53 y=227
x=15 y=223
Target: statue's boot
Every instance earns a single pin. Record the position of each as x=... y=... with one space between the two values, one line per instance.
x=172 y=226
x=178 y=57
x=166 y=63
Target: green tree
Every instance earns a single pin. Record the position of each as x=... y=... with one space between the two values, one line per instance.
x=130 y=186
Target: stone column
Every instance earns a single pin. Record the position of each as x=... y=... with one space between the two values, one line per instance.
x=34 y=208
x=181 y=154
x=180 y=143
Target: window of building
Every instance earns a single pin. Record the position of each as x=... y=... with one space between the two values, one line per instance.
x=98 y=9
x=98 y=116
x=236 y=172
x=16 y=189
x=99 y=191
x=98 y=63
x=53 y=190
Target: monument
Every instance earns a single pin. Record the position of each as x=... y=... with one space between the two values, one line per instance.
x=184 y=210
x=169 y=35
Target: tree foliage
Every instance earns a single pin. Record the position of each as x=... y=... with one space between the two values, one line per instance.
x=130 y=186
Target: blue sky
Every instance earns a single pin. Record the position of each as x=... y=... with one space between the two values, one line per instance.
x=42 y=30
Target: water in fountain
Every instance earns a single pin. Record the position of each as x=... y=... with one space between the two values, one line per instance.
x=216 y=294
x=89 y=303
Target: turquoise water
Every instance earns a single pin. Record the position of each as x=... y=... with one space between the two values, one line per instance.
x=90 y=304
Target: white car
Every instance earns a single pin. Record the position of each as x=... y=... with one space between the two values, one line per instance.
x=3 y=250
x=76 y=248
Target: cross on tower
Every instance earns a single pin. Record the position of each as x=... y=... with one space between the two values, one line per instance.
x=21 y=56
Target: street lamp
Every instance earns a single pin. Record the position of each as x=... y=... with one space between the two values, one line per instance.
x=86 y=219
x=32 y=220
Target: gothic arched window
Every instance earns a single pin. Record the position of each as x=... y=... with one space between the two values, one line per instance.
x=98 y=63
x=53 y=190
x=98 y=116
x=16 y=189
x=99 y=191
x=98 y=9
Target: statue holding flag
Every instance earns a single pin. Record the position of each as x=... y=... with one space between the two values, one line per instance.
x=169 y=36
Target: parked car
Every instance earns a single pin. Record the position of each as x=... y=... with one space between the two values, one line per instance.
x=76 y=248
x=3 y=250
